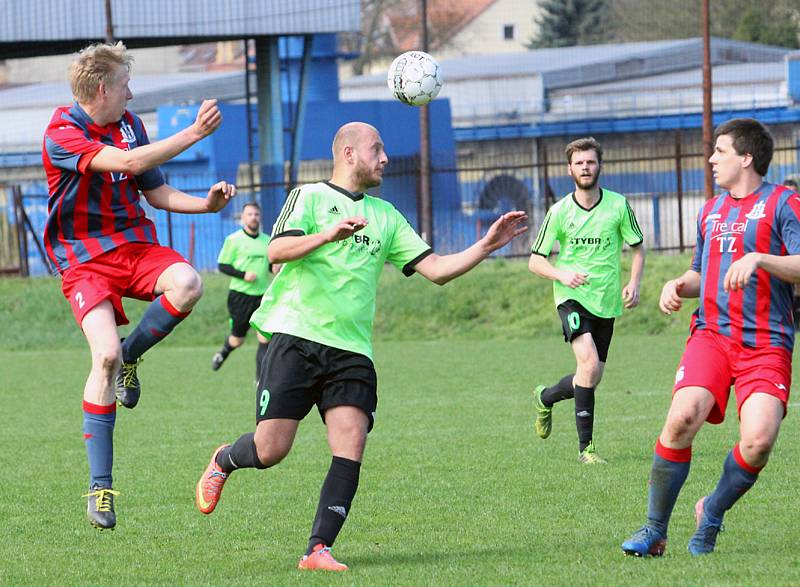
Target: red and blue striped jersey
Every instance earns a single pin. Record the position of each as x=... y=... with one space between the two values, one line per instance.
x=766 y=221
x=90 y=213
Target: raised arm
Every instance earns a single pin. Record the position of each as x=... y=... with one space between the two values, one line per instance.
x=140 y=159
x=290 y=248
x=441 y=269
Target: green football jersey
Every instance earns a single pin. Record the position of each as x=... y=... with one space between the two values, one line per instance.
x=590 y=241
x=328 y=296
x=247 y=253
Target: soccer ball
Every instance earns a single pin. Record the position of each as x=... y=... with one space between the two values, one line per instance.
x=415 y=78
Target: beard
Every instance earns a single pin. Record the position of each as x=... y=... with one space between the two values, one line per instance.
x=365 y=177
x=587 y=183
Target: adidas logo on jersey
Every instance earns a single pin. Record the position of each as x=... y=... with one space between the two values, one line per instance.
x=334 y=210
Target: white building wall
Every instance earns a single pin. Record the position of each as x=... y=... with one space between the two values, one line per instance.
x=485 y=33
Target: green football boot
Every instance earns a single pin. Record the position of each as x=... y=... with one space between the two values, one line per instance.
x=589 y=456
x=544 y=415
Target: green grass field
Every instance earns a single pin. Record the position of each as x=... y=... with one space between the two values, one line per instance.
x=456 y=489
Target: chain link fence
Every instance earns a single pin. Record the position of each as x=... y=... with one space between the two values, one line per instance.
x=661 y=173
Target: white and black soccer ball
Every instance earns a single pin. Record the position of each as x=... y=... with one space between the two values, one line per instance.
x=415 y=78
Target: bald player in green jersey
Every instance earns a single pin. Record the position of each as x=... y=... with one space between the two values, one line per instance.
x=590 y=225
x=334 y=240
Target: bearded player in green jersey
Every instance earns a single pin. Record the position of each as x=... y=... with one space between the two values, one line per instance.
x=244 y=257
x=590 y=225
x=333 y=239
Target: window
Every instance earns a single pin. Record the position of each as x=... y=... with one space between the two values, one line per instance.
x=508 y=32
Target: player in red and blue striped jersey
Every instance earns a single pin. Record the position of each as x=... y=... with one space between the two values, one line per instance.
x=98 y=161
x=746 y=259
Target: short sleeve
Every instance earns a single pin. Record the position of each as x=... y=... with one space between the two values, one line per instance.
x=406 y=248
x=227 y=254
x=697 y=258
x=68 y=147
x=548 y=233
x=629 y=227
x=152 y=178
x=296 y=217
x=789 y=223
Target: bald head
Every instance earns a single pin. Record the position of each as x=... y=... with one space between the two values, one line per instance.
x=352 y=135
x=358 y=156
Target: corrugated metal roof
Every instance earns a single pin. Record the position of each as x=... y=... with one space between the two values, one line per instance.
x=574 y=66
x=740 y=73
x=31 y=27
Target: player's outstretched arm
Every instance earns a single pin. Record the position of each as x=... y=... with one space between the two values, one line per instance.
x=675 y=290
x=441 y=269
x=292 y=248
x=140 y=159
x=630 y=293
x=785 y=268
x=542 y=267
x=166 y=197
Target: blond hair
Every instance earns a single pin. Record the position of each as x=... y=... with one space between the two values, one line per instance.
x=95 y=65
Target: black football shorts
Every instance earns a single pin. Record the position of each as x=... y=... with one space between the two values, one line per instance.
x=240 y=308
x=575 y=320
x=299 y=373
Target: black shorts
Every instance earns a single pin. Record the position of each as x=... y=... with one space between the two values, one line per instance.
x=298 y=373
x=240 y=308
x=575 y=320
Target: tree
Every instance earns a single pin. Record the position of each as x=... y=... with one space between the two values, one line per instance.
x=564 y=23
x=651 y=20
x=758 y=27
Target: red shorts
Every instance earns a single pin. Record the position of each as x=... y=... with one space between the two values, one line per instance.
x=130 y=270
x=716 y=362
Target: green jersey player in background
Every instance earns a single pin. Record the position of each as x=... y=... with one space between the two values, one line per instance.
x=244 y=257
x=590 y=226
x=333 y=240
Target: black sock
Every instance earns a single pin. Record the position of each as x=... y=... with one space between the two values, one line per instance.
x=262 y=350
x=241 y=454
x=584 y=414
x=226 y=349
x=560 y=391
x=335 y=498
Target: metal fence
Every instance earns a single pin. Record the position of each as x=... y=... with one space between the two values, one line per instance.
x=661 y=174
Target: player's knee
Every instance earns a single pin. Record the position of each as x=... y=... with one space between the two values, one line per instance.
x=589 y=370
x=756 y=448
x=188 y=287
x=108 y=360
x=680 y=425
x=270 y=454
